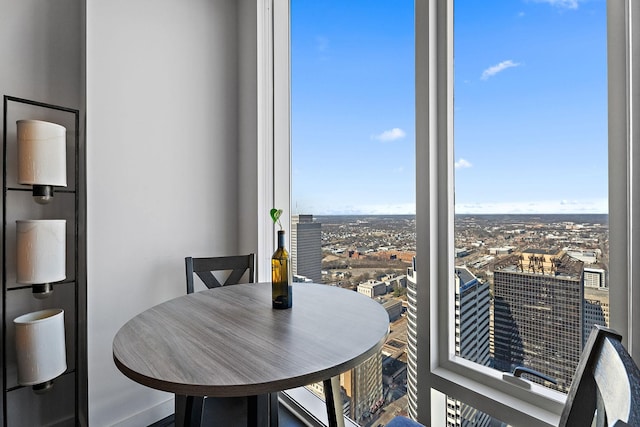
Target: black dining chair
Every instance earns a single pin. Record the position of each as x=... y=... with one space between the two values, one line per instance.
x=238 y=269
x=236 y=266
x=605 y=387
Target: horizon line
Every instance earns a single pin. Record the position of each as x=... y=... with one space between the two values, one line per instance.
x=457 y=213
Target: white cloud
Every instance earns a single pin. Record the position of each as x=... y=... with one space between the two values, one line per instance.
x=564 y=4
x=322 y=43
x=462 y=164
x=596 y=206
x=495 y=69
x=373 y=209
x=390 y=135
x=593 y=206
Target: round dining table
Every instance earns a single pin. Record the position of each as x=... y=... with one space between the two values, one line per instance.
x=229 y=342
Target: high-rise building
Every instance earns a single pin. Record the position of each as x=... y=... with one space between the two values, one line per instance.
x=596 y=309
x=306 y=247
x=363 y=387
x=412 y=341
x=538 y=314
x=472 y=340
x=595 y=278
x=472 y=317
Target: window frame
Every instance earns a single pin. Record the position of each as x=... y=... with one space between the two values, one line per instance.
x=439 y=368
x=273 y=146
x=482 y=387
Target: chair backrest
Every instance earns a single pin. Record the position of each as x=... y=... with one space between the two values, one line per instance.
x=238 y=265
x=606 y=386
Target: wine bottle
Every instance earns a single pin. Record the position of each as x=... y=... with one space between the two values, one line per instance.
x=280 y=283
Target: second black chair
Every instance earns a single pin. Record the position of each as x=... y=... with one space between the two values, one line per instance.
x=238 y=266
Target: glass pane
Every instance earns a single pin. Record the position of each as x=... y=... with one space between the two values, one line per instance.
x=460 y=414
x=353 y=174
x=447 y=411
x=531 y=201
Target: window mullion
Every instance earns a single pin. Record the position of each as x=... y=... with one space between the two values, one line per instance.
x=282 y=112
x=426 y=296
x=265 y=148
x=624 y=161
x=634 y=154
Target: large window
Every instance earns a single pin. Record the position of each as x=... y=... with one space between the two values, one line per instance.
x=442 y=364
x=353 y=174
x=528 y=281
x=531 y=182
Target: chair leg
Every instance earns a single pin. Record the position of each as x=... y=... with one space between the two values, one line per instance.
x=601 y=417
x=253 y=409
x=262 y=410
x=193 y=411
x=332 y=400
x=273 y=410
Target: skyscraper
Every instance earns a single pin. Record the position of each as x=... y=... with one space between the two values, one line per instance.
x=472 y=340
x=596 y=309
x=538 y=313
x=361 y=389
x=306 y=247
x=595 y=278
x=363 y=386
x=412 y=341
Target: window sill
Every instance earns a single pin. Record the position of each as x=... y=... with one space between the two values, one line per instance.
x=308 y=407
x=535 y=407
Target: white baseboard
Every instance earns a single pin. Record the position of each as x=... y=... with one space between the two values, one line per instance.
x=149 y=416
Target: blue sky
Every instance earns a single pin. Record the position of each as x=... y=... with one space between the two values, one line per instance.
x=530 y=106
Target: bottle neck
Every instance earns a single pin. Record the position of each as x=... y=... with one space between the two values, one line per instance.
x=281 y=238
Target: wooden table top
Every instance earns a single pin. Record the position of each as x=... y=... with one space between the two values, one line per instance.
x=228 y=341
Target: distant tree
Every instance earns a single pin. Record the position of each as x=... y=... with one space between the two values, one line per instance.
x=399 y=292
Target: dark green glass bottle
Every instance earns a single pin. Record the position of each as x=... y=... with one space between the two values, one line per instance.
x=280 y=282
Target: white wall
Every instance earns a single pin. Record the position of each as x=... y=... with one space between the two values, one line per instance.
x=171 y=139
x=162 y=159
x=40 y=43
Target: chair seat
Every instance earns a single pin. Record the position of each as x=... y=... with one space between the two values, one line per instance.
x=403 y=422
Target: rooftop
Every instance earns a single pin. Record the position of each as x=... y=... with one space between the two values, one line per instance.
x=543 y=262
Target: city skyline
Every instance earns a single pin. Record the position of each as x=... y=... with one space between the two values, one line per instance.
x=353 y=121
x=362 y=252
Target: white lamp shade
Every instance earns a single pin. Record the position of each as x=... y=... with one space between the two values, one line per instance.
x=41 y=251
x=42 y=158
x=40 y=346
